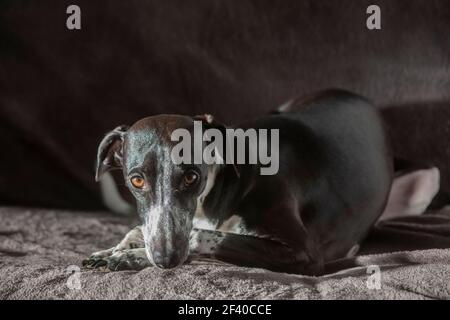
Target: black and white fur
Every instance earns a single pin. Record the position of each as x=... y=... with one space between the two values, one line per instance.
x=333 y=185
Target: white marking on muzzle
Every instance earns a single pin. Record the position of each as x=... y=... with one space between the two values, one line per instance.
x=149 y=229
x=161 y=222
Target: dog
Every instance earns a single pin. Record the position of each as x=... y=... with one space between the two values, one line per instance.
x=333 y=184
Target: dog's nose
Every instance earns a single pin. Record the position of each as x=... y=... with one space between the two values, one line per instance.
x=166 y=262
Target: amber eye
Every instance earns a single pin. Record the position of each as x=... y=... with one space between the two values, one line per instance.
x=190 y=178
x=137 y=182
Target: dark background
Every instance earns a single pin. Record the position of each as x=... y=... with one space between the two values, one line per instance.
x=61 y=90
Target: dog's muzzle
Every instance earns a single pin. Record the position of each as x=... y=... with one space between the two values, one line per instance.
x=166 y=238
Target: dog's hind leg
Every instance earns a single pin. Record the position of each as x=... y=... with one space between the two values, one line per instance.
x=132 y=240
x=249 y=251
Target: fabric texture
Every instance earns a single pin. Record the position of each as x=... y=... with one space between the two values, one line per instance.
x=38 y=248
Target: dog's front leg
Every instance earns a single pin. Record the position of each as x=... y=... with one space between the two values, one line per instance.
x=129 y=254
x=249 y=251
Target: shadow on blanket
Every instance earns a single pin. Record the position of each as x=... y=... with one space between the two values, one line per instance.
x=38 y=246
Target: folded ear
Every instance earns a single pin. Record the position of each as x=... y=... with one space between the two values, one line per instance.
x=109 y=153
x=207 y=119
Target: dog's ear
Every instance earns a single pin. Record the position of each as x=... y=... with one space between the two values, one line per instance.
x=208 y=122
x=109 y=154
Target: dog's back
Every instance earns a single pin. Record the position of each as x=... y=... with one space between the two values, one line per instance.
x=336 y=140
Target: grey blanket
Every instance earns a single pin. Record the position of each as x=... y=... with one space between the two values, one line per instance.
x=41 y=251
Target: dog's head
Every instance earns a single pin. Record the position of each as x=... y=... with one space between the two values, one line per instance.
x=167 y=194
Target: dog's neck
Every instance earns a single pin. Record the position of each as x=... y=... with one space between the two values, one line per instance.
x=226 y=192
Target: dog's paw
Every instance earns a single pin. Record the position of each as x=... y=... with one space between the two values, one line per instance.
x=96 y=260
x=133 y=259
x=132 y=240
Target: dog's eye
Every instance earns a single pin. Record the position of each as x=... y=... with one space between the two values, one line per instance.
x=190 y=178
x=137 y=182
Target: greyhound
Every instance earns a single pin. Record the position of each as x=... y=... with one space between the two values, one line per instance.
x=333 y=184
